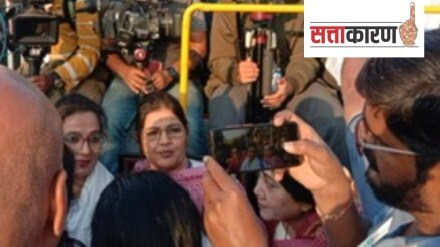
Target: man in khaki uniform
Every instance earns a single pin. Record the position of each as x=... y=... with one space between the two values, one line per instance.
x=305 y=87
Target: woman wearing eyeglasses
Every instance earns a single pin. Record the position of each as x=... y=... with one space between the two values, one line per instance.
x=163 y=131
x=83 y=129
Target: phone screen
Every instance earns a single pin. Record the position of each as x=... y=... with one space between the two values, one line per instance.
x=251 y=148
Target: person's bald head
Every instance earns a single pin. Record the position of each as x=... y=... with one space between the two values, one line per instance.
x=31 y=174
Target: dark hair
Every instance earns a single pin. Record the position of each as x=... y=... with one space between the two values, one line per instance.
x=74 y=103
x=67 y=241
x=146 y=209
x=408 y=89
x=69 y=167
x=154 y=101
x=297 y=190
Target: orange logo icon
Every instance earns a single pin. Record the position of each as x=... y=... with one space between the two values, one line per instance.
x=408 y=30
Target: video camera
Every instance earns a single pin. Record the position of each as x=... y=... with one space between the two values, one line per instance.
x=36 y=31
x=148 y=20
x=35 y=27
x=137 y=24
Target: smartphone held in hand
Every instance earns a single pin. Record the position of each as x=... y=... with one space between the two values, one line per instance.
x=251 y=148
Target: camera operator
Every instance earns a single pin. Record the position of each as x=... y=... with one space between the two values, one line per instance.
x=121 y=100
x=73 y=61
x=305 y=86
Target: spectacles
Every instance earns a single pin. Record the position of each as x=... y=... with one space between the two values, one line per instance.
x=172 y=132
x=360 y=125
x=76 y=142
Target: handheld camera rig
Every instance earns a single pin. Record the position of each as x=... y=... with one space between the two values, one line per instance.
x=136 y=25
x=35 y=31
x=260 y=44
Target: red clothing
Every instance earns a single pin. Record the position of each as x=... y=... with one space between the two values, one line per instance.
x=309 y=234
x=234 y=164
x=319 y=240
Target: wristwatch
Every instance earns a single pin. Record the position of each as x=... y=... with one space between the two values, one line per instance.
x=173 y=73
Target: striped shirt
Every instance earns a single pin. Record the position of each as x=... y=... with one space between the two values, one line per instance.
x=80 y=48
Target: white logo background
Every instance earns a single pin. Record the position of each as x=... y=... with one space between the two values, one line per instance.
x=362 y=13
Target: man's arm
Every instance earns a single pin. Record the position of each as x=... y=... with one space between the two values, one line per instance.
x=322 y=173
x=116 y=64
x=197 y=41
x=132 y=76
x=85 y=59
x=300 y=71
x=224 y=54
x=198 y=49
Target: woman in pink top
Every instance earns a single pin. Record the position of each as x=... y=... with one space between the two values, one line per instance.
x=289 y=210
x=163 y=131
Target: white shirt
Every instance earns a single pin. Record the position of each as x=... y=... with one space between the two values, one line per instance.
x=81 y=212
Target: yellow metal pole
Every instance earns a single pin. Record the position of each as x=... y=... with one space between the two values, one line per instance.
x=233 y=7
x=432 y=9
x=218 y=7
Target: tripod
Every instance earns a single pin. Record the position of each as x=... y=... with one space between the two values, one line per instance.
x=140 y=56
x=260 y=44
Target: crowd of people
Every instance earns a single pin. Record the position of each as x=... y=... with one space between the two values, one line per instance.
x=368 y=142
